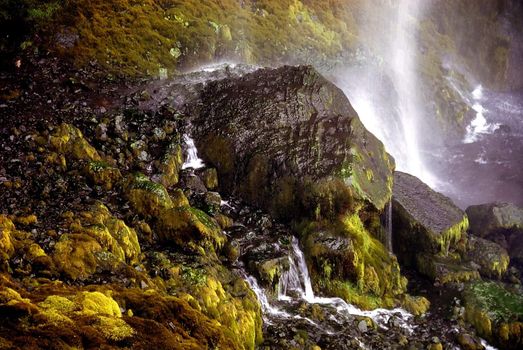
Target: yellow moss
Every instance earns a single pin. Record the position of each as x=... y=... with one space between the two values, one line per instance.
x=74 y=255
x=34 y=251
x=58 y=303
x=97 y=303
x=114 y=328
x=26 y=220
x=6 y=229
x=11 y=297
x=69 y=140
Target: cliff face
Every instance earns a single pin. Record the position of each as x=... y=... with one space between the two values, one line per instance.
x=489 y=43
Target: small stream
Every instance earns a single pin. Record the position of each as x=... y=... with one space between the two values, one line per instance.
x=294 y=316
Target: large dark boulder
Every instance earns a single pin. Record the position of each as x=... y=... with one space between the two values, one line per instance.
x=289 y=141
x=501 y=223
x=427 y=227
x=492 y=218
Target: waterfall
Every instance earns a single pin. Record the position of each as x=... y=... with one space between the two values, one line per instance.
x=384 y=87
x=404 y=64
x=192 y=161
x=297 y=279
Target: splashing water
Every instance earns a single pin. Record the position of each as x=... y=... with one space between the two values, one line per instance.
x=297 y=279
x=479 y=124
x=192 y=161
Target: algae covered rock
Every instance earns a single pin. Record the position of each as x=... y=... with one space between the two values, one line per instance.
x=70 y=141
x=146 y=197
x=347 y=261
x=496 y=312
x=491 y=257
x=186 y=225
x=274 y=134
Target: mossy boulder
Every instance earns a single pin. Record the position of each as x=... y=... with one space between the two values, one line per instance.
x=496 y=312
x=77 y=255
x=289 y=141
x=493 y=260
x=103 y=174
x=70 y=141
x=189 y=227
x=445 y=269
x=146 y=197
x=98 y=241
x=170 y=165
x=112 y=233
x=347 y=261
x=209 y=177
x=427 y=227
x=501 y=223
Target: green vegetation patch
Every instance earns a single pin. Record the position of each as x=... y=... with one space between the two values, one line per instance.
x=496 y=300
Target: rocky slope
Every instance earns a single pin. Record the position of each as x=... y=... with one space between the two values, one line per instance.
x=106 y=241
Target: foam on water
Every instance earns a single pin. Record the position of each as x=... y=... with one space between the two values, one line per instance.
x=479 y=125
x=192 y=161
x=297 y=279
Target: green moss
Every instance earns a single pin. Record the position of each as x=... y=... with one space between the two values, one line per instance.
x=147 y=198
x=498 y=302
x=44 y=11
x=356 y=267
x=193 y=276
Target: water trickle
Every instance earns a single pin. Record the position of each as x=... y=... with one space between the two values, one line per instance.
x=388 y=227
x=296 y=280
x=192 y=161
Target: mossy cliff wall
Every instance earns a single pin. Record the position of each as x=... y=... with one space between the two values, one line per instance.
x=140 y=37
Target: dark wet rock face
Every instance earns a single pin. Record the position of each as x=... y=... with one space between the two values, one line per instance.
x=427 y=227
x=492 y=218
x=501 y=223
x=276 y=135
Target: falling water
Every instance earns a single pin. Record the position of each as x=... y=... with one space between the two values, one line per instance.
x=192 y=161
x=297 y=280
x=404 y=65
x=388 y=227
x=391 y=107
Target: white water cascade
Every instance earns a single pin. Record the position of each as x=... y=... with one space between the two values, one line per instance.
x=192 y=161
x=295 y=284
x=391 y=108
x=479 y=125
x=404 y=64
